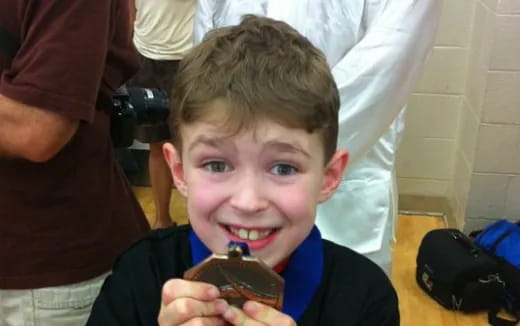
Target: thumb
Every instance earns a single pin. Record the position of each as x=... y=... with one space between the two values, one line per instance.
x=167 y=294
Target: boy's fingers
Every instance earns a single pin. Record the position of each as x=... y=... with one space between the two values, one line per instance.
x=206 y=321
x=257 y=314
x=179 y=288
x=183 y=310
x=237 y=317
x=267 y=315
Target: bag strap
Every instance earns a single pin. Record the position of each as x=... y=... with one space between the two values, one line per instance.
x=474 y=234
x=466 y=242
x=8 y=44
x=499 y=240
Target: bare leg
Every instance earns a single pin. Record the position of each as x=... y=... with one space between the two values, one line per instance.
x=161 y=181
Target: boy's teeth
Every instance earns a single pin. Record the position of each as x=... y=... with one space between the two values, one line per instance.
x=242 y=233
x=253 y=235
x=250 y=235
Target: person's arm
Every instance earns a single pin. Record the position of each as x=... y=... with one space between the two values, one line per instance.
x=52 y=83
x=203 y=20
x=378 y=74
x=32 y=133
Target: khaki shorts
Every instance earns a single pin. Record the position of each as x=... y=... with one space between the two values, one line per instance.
x=67 y=305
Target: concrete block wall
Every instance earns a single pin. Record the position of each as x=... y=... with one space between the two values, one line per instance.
x=427 y=155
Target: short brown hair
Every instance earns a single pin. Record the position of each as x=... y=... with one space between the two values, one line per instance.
x=264 y=69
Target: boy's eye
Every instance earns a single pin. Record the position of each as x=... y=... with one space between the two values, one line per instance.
x=283 y=169
x=217 y=166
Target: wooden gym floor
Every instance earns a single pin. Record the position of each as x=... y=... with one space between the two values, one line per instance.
x=416 y=308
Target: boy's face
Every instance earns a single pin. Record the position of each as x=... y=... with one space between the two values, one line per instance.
x=259 y=186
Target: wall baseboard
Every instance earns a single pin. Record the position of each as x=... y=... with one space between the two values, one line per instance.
x=427 y=206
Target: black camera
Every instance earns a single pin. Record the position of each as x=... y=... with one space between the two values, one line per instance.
x=132 y=106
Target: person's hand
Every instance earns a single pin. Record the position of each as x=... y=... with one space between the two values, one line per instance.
x=257 y=314
x=191 y=303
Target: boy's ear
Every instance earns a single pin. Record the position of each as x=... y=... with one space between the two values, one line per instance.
x=174 y=161
x=333 y=173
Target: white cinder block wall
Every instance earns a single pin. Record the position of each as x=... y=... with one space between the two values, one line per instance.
x=463 y=126
x=426 y=158
x=488 y=156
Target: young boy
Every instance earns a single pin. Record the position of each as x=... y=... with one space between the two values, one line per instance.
x=255 y=111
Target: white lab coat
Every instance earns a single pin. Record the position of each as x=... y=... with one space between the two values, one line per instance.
x=376 y=49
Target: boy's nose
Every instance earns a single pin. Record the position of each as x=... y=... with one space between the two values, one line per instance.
x=248 y=196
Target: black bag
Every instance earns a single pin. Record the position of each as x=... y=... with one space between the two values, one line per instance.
x=456 y=273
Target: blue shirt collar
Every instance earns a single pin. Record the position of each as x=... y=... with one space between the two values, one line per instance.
x=302 y=275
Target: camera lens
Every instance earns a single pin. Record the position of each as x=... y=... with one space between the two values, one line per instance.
x=151 y=105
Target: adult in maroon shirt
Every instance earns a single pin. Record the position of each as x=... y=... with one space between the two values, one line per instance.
x=66 y=210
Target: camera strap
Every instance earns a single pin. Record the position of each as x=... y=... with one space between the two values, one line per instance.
x=8 y=43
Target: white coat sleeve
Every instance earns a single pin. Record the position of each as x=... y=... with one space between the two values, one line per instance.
x=203 y=20
x=378 y=74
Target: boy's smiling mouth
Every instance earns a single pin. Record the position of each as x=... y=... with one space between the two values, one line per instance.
x=255 y=237
x=250 y=234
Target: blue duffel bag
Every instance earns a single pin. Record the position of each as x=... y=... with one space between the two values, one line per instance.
x=502 y=240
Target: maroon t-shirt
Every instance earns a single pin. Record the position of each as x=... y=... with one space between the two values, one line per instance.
x=65 y=220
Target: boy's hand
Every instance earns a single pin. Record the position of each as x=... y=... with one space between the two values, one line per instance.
x=255 y=313
x=191 y=303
